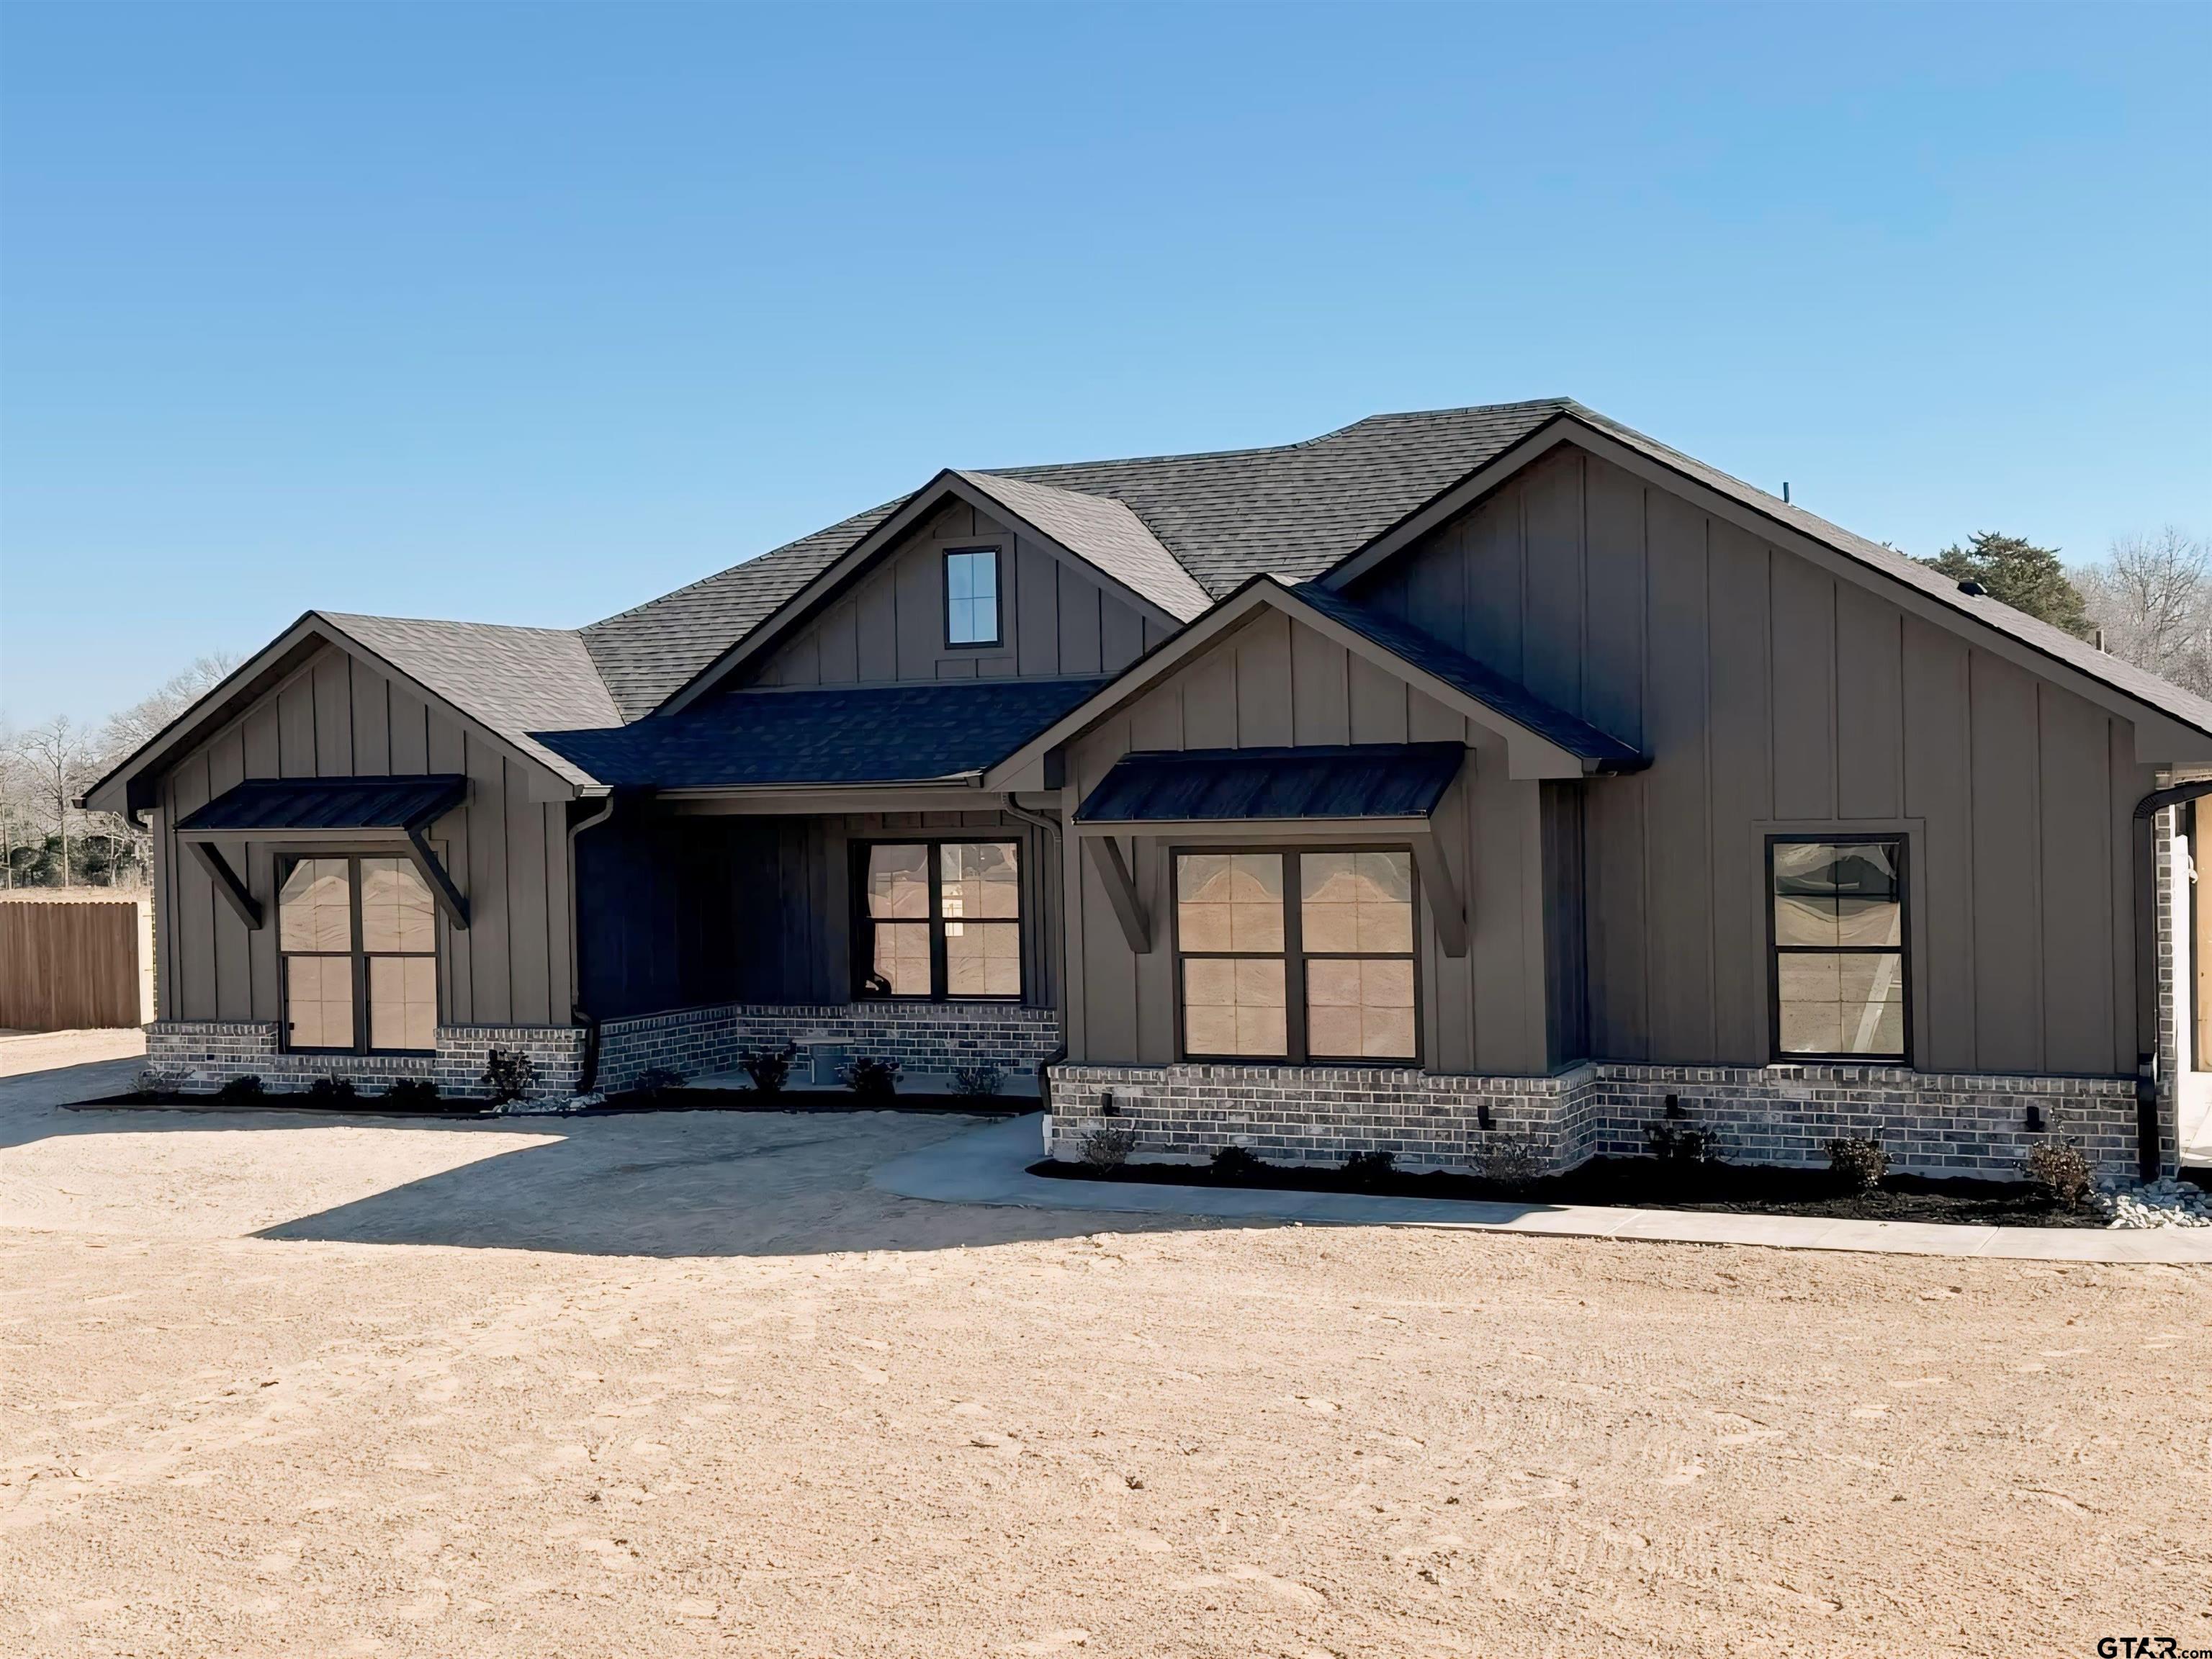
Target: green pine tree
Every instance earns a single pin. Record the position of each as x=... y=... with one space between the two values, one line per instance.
x=2021 y=574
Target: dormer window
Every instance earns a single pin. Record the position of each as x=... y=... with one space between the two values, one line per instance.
x=972 y=595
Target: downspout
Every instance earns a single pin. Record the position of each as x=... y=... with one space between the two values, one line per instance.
x=590 y=1074
x=1051 y=827
x=2147 y=1161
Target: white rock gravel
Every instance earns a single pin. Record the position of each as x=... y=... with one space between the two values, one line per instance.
x=2169 y=1202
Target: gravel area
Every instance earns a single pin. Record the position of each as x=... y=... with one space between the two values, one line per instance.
x=685 y=1385
x=2167 y=1203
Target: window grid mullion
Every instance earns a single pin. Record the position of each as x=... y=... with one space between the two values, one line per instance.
x=360 y=955
x=1294 y=967
x=939 y=970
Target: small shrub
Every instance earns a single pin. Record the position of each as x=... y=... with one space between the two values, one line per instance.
x=241 y=1088
x=1235 y=1164
x=417 y=1094
x=977 y=1082
x=1108 y=1149
x=871 y=1079
x=154 y=1084
x=2061 y=1169
x=1857 y=1161
x=1674 y=1139
x=769 y=1068
x=333 y=1090
x=509 y=1074
x=1511 y=1160
x=652 y=1079
x=1370 y=1169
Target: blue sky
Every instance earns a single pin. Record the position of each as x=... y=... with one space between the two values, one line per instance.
x=529 y=313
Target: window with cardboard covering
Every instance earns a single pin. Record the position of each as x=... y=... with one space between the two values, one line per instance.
x=1296 y=955
x=357 y=936
x=939 y=918
x=1838 y=931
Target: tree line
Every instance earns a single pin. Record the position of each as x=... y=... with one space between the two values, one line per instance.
x=2150 y=602
x=46 y=839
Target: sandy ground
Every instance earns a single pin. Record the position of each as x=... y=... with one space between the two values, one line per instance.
x=684 y=1384
x=23 y=1052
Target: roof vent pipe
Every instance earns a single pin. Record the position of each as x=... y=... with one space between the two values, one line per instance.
x=1786 y=492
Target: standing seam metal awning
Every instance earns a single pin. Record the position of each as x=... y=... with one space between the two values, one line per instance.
x=1337 y=782
x=1391 y=788
x=328 y=804
x=318 y=810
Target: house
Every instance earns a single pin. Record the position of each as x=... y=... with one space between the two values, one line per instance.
x=1484 y=773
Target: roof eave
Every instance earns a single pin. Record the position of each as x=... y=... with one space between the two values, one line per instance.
x=122 y=789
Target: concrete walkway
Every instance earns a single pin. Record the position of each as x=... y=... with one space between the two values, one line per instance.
x=990 y=1166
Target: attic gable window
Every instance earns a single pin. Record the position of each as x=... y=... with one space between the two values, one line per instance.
x=972 y=595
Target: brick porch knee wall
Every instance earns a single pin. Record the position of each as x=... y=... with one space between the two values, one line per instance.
x=938 y=1037
x=202 y=1056
x=1930 y=1124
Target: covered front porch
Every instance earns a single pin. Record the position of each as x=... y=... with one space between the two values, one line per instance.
x=823 y=868
x=913 y=926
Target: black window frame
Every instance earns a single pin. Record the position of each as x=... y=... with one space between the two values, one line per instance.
x=358 y=951
x=1902 y=950
x=998 y=640
x=1294 y=955
x=940 y=989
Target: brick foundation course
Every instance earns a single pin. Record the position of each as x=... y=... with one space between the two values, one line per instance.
x=205 y=1055
x=1930 y=1124
x=934 y=1037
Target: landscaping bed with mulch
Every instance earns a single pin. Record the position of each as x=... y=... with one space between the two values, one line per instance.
x=299 y=1100
x=1642 y=1183
x=637 y=1100
x=810 y=1100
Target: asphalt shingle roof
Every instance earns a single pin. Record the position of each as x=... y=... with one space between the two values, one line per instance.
x=651 y=650
x=848 y=734
x=1289 y=511
x=1105 y=532
x=516 y=680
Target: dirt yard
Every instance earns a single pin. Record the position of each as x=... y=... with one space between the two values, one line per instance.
x=684 y=1384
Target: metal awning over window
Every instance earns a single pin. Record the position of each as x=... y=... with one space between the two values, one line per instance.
x=1392 y=780
x=1365 y=791
x=269 y=805
x=311 y=813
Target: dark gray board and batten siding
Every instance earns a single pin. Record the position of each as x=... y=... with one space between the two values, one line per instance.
x=1054 y=621
x=683 y=910
x=1772 y=697
x=336 y=717
x=1276 y=682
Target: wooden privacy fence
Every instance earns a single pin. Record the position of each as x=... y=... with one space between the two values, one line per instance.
x=75 y=958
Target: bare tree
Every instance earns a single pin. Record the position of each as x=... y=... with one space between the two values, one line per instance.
x=11 y=781
x=60 y=762
x=2152 y=600
x=139 y=724
x=132 y=728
